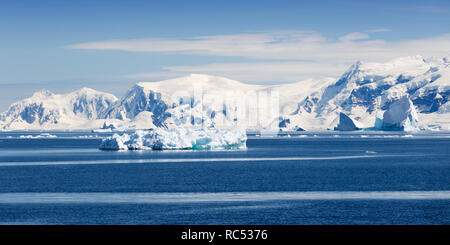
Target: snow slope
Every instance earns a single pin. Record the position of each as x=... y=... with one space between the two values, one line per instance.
x=194 y=100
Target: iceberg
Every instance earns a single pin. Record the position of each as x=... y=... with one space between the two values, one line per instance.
x=401 y=116
x=345 y=123
x=43 y=135
x=111 y=126
x=177 y=139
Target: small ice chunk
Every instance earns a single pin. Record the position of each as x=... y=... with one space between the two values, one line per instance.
x=43 y=135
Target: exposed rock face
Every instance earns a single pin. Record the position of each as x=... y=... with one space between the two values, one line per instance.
x=137 y=100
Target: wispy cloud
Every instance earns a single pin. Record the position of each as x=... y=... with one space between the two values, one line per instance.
x=310 y=54
x=354 y=36
x=282 y=45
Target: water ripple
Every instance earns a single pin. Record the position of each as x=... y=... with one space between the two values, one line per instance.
x=154 y=198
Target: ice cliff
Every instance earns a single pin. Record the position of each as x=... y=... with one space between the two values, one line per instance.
x=400 y=116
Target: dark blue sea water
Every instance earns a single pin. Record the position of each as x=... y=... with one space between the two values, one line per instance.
x=311 y=178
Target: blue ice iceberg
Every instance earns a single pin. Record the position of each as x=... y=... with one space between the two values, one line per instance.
x=345 y=123
x=401 y=116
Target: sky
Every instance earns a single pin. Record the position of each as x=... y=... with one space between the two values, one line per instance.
x=110 y=45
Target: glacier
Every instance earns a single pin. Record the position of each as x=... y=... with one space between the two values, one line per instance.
x=177 y=139
x=363 y=93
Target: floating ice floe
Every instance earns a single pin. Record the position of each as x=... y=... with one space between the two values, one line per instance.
x=87 y=136
x=43 y=135
x=176 y=139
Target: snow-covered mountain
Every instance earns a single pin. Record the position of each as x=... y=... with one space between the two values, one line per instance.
x=45 y=110
x=405 y=93
x=367 y=90
x=186 y=101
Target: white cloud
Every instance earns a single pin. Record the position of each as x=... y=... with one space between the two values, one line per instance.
x=354 y=36
x=282 y=45
x=310 y=54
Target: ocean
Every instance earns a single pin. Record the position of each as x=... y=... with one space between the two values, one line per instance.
x=312 y=178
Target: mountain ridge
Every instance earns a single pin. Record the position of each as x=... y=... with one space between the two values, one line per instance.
x=365 y=91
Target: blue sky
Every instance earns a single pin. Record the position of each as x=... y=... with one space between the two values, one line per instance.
x=109 y=45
